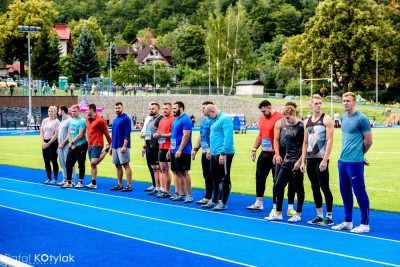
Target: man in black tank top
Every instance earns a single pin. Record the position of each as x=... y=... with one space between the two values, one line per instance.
x=291 y=166
x=317 y=146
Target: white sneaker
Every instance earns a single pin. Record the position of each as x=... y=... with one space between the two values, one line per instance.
x=61 y=183
x=362 y=228
x=343 y=226
x=272 y=213
x=274 y=217
x=66 y=185
x=295 y=218
x=188 y=199
x=91 y=186
x=255 y=207
x=78 y=185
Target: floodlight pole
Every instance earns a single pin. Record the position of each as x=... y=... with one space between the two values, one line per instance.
x=301 y=92
x=376 y=82
x=312 y=68
x=29 y=29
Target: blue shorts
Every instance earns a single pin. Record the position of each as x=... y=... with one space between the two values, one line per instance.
x=94 y=152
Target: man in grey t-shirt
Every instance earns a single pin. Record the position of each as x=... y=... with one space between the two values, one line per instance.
x=63 y=142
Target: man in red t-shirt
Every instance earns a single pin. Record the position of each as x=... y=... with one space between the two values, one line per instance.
x=96 y=128
x=265 y=139
x=163 y=135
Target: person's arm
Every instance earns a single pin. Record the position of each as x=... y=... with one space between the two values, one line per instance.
x=329 y=126
x=304 y=148
x=256 y=145
x=367 y=141
x=196 y=147
x=185 y=139
x=277 y=133
x=41 y=132
x=104 y=130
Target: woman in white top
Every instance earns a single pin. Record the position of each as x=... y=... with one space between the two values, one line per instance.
x=48 y=137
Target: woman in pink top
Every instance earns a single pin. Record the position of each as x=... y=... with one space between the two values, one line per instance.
x=48 y=137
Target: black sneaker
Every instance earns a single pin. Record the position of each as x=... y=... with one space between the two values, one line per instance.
x=326 y=221
x=116 y=188
x=127 y=189
x=316 y=220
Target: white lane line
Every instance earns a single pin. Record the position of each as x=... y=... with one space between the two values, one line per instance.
x=204 y=228
x=127 y=236
x=203 y=210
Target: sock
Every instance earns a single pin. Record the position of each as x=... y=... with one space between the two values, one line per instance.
x=329 y=215
x=93 y=182
x=320 y=215
x=274 y=206
x=162 y=189
x=290 y=206
x=259 y=203
x=157 y=188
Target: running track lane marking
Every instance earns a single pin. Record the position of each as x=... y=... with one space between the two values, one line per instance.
x=197 y=227
x=127 y=236
x=201 y=210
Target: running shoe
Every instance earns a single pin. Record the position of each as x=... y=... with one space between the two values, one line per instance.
x=255 y=207
x=327 y=221
x=164 y=195
x=91 y=186
x=316 y=220
x=188 y=199
x=47 y=181
x=151 y=188
x=291 y=212
x=152 y=193
x=202 y=201
x=52 y=182
x=174 y=196
x=209 y=205
x=272 y=213
x=61 y=183
x=220 y=206
x=78 y=185
x=66 y=185
x=343 y=226
x=127 y=189
x=117 y=188
x=295 y=218
x=159 y=192
x=274 y=217
x=362 y=228
x=179 y=198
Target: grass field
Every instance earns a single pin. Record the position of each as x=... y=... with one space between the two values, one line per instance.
x=382 y=176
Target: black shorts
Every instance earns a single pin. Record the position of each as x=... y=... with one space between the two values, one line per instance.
x=180 y=164
x=152 y=156
x=162 y=155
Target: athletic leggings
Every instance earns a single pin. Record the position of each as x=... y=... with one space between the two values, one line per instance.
x=205 y=163
x=74 y=155
x=319 y=181
x=285 y=175
x=264 y=166
x=50 y=155
x=291 y=192
x=221 y=175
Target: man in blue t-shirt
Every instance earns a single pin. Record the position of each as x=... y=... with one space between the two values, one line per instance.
x=203 y=143
x=356 y=141
x=180 y=152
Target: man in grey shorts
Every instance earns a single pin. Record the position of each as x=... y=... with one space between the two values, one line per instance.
x=120 y=147
x=63 y=143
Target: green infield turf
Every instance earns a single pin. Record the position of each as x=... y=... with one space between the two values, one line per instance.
x=381 y=176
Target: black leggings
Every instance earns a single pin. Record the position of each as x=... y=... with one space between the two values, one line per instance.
x=285 y=175
x=74 y=155
x=319 y=181
x=221 y=175
x=264 y=166
x=50 y=155
x=205 y=163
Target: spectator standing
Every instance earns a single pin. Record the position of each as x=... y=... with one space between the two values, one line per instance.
x=336 y=118
x=72 y=89
x=54 y=89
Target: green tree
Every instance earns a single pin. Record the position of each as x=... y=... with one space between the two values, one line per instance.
x=112 y=53
x=85 y=58
x=127 y=72
x=344 y=33
x=46 y=56
x=14 y=44
x=67 y=68
x=287 y=20
x=92 y=26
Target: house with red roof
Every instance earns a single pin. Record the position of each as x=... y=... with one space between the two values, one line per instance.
x=64 y=34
